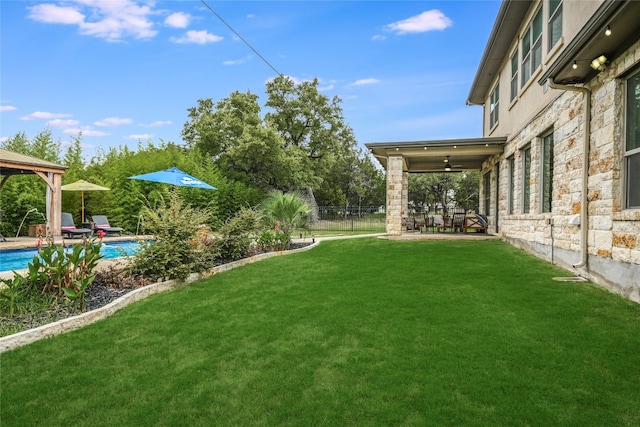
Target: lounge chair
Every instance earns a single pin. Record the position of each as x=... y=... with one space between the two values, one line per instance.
x=100 y=222
x=69 y=228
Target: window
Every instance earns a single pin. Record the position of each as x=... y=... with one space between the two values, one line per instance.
x=493 y=106
x=632 y=143
x=487 y=192
x=532 y=48
x=555 y=22
x=512 y=183
x=526 y=180
x=514 y=75
x=547 y=172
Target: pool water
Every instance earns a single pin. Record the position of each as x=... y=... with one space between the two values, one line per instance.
x=19 y=259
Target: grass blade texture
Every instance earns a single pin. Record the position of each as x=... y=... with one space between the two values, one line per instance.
x=354 y=332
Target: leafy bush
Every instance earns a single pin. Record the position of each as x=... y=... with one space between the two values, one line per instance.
x=273 y=240
x=175 y=253
x=236 y=235
x=59 y=272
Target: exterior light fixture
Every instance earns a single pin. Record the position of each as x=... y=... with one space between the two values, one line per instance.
x=599 y=63
x=575 y=65
x=447 y=165
x=607 y=32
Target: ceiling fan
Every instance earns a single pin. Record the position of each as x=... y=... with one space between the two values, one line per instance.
x=448 y=165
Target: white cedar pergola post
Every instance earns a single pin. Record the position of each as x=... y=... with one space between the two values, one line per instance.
x=396 y=194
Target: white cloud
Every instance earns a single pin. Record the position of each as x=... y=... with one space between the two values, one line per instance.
x=7 y=108
x=112 y=20
x=42 y=115
x=53 y=14
x=178 y=20
x=113 y=121
x=426 y=21
x=363 y=82
x=4 y=139
x=157 y=123
x=237 y=61
x=139 y=137
x=85 y=132
x=59 y=123
x=197 y=37
x=378 y=37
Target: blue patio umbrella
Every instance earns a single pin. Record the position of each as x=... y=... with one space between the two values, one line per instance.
x=174 y=176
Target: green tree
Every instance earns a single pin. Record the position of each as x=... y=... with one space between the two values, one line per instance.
x=312 y=123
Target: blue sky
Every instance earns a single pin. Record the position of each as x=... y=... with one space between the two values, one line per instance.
x=122 y=71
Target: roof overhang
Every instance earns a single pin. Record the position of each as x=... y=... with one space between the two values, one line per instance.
x=429 y=156
x=504 y=32
x=622 y=17
x=12 y=163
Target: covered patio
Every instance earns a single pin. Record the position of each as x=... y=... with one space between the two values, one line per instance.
x=435 y=156
x=12 y=164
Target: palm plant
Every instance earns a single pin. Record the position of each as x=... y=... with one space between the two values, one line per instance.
x=285 y=212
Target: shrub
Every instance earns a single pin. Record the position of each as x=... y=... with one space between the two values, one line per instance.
x=236 y=235
x=175 y=253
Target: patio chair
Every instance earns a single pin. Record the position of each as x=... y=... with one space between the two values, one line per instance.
x=419 y=221
x=429 y=223
x=69 y=228
x=407 y=223
x=100 y=222
x=438 y=222
x=458 y=221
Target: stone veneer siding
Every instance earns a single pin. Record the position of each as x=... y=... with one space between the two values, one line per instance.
x=396 y=194
x=613 y=233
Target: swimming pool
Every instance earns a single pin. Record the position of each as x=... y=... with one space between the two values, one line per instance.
x=19 y=259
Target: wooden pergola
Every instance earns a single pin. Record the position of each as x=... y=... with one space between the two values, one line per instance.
x=12 y=164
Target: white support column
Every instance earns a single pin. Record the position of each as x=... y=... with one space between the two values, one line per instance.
x=396 y=194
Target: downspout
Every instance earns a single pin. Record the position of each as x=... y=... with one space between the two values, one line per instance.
x=584 y=219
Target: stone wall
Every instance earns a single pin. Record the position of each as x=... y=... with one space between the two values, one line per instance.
x=613 y=233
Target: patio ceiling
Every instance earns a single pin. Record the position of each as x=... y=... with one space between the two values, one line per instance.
x=621 y=17
x=429 y=156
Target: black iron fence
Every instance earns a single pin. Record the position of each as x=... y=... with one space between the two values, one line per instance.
x=349 y=219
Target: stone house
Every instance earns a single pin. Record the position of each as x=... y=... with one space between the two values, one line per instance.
x=559 y=84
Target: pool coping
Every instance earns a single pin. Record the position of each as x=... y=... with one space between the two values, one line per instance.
x=59 y=327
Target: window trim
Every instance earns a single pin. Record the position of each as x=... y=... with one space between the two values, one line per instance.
x=526 y=180
x=543 y=183
x=529 y=55
x=626 y=153
x=514 y=76
x=494 y=107
x=553 y=15
x=511 y=195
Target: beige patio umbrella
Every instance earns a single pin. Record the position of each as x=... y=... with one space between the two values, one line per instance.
x=82 y=186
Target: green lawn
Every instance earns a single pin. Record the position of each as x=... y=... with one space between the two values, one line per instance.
x=353 y=332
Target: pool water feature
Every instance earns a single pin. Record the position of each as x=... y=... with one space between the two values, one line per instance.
x=19 y=259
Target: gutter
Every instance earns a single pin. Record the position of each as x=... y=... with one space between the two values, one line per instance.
x=584 y=218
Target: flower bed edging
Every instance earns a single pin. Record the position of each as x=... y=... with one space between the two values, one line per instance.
x=29 y=336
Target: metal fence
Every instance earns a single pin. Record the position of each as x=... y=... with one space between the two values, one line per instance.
x=349 y=219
